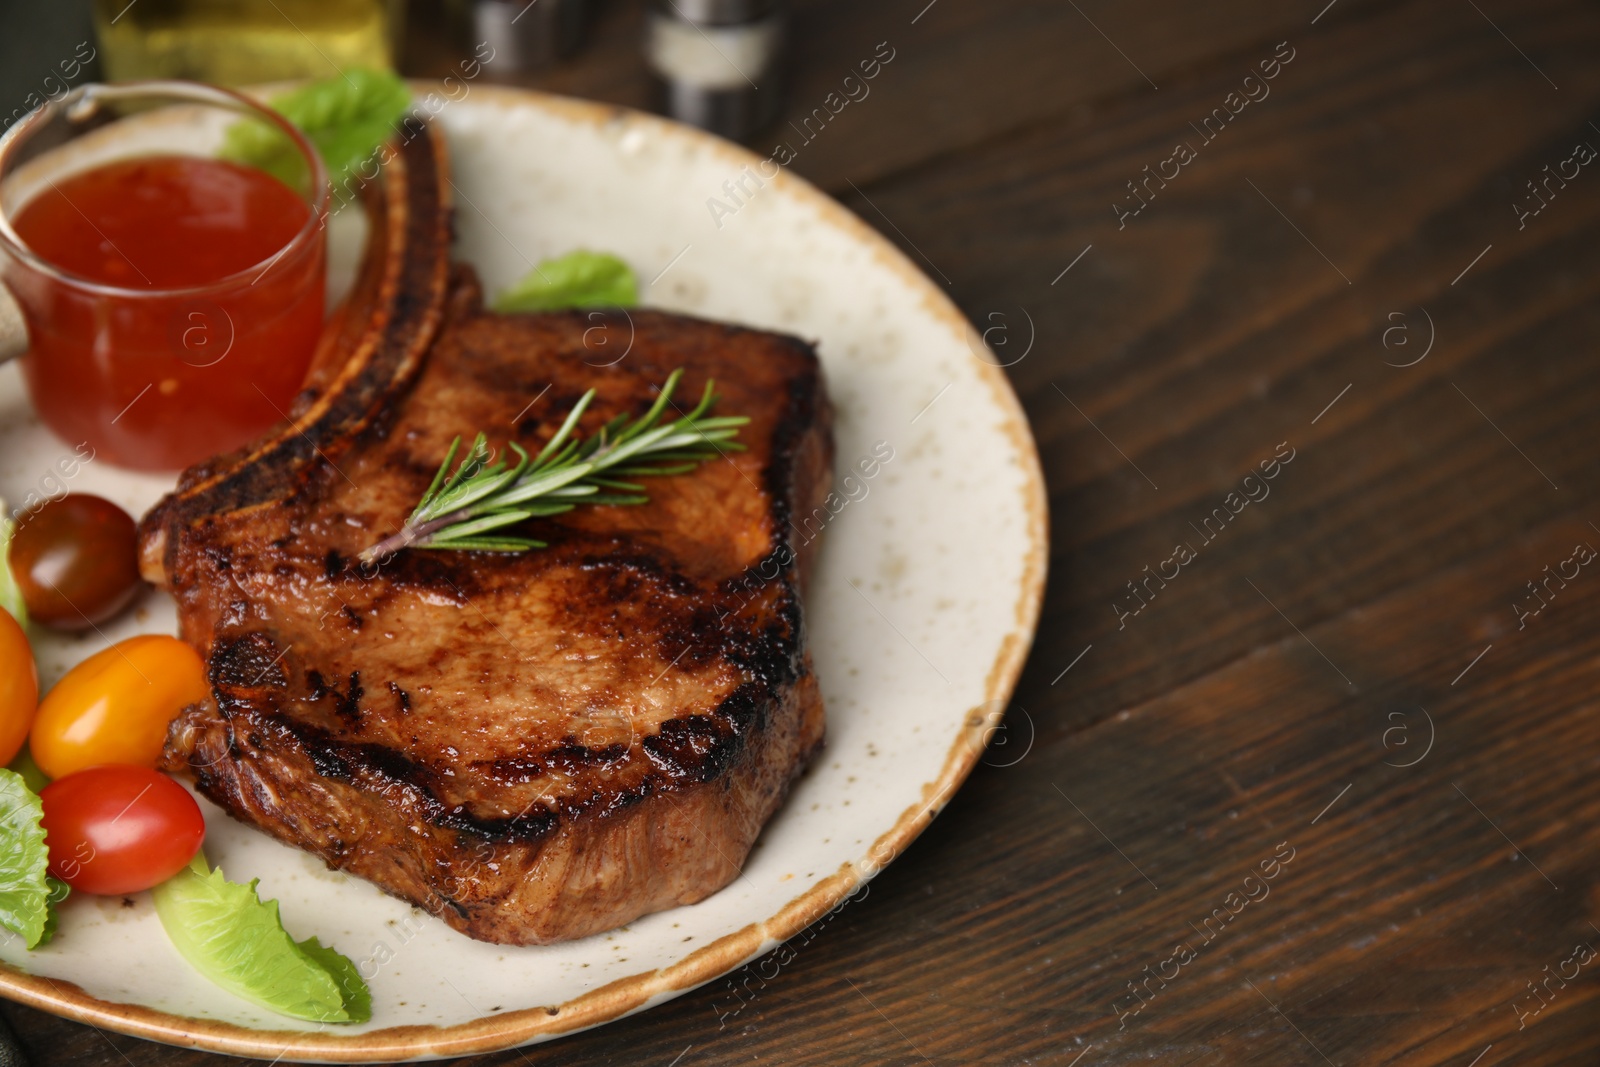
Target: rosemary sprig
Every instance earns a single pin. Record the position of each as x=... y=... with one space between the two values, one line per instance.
x=464 y=509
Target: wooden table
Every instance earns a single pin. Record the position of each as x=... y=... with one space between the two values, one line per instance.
x=1322 y=788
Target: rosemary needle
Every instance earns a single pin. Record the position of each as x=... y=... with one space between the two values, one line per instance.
x=467 y=508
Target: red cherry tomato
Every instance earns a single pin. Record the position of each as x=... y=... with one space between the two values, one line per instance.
x=77 y=560
x=119 y=829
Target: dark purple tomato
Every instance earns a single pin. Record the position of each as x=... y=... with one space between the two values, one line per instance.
x=76 y=559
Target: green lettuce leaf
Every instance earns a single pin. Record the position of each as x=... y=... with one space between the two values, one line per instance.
x=577 y=279
x=345 y=117
x=25 y=892
x=59 y=891
x=357 y=998
x=237 y=940
x=10 y=592
x=32 y=776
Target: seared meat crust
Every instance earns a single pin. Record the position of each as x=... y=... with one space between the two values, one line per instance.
x=533 y=746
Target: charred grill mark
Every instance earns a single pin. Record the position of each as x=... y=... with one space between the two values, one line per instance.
x=807 y=409
x=249 y=662
x=455 y=906
x=692 y=749
x=628 y=798
x=745 y=707
x=348 y=703
x=402 y=698
x=529 y=826
x=377 y=767
x=627 y=573
x=768 y=646
x=691 y=624
x=328 y=764
x=453 y=574
x=686 y=752
x=571 y=757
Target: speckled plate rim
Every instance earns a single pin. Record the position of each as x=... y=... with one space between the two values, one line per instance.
x=638 y=992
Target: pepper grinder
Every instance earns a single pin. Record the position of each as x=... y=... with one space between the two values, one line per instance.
x=718 y=64
x=527 y=35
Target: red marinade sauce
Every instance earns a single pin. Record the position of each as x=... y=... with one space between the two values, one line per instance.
x=160 y=383
x=161 y=222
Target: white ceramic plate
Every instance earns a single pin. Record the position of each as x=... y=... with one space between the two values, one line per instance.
x=927 y=592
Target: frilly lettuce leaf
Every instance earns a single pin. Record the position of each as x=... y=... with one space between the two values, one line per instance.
x=357 y=998
x=58 y=892
x=237 y=940
x=32 y=776
x=25 y=890
x=577 y=279
x=10 y=592
x=345 y=117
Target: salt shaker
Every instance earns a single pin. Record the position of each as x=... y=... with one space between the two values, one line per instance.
x=719 y=63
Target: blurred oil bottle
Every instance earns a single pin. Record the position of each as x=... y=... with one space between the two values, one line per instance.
x=241 y=42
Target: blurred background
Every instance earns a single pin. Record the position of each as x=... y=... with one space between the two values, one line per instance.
x=717 y=63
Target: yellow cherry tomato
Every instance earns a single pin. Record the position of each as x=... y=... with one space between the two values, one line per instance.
x=19 y=686
x=115 y=706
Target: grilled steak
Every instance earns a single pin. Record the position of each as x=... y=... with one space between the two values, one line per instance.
x=534 y=746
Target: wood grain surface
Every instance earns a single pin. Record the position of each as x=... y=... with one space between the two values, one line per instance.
x=1319 y=787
